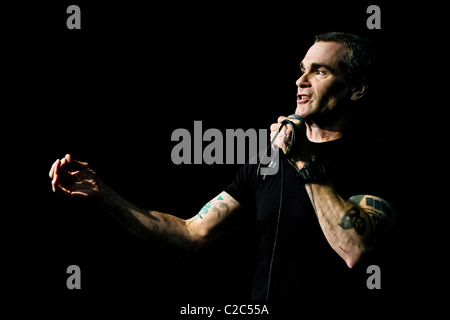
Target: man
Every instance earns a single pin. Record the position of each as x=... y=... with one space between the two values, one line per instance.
x=327 y=206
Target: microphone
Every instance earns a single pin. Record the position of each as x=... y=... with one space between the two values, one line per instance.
x=295 y=130
x=285 y=121
x=292 y=116
x=273 y=163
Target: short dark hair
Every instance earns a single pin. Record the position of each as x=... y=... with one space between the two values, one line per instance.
x=358 y=60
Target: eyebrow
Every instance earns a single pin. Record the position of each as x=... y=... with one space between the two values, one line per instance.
x=319 y=65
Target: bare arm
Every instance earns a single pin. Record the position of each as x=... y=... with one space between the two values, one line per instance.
x=76 y=179
x=352 y=227
x=191 y=234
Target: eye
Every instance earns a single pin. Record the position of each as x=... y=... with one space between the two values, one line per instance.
x=320 y=72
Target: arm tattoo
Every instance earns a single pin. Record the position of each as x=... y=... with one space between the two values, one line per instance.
x=224 y=206
x=213 y=206
x=382 y=212
x=353 y=219
x=376 y=216
x=205 y=209
x=220 y=206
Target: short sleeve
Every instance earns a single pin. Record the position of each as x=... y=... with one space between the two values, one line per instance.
x=242 y=188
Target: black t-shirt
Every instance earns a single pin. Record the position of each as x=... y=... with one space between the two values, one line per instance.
x=303 y=261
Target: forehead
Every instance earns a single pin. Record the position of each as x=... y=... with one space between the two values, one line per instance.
x=326 y=53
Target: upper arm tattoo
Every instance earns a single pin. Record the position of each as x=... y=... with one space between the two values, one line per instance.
x=218 y=206
x=378 y=210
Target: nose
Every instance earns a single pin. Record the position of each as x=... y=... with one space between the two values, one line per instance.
x=303 y=81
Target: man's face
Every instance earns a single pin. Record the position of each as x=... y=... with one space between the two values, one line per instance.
x=323 y=85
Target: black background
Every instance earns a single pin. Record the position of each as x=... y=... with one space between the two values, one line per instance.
x=113 y=92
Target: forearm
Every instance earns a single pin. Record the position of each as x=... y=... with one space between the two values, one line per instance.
x=346 y=226
x=76 y=179
x=148 y=225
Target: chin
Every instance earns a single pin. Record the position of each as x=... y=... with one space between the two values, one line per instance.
x=302 y=111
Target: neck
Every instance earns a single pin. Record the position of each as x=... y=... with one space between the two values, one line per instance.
x=317 y=132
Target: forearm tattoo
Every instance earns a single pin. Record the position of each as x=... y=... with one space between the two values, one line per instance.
x=353 y=219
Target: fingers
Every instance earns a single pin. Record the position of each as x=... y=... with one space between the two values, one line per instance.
x=58 y=163
x=53 y=168
x=286 y=130
x=295 y=121
x=284 y=136
x=61 y=178
x=274 y=127
x=282 y=118
x=60 y=181
x=53 y=174
x=69 y=177
x=273 y=130
x=67 y=159
x=80 y=164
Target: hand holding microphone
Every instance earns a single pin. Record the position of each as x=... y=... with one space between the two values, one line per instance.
x=286 y=131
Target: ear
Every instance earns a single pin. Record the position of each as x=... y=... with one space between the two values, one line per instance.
x=360 y=89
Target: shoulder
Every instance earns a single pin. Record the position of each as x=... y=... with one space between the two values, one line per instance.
x=369 y=152
x=367 y=143
x=368 y=164
x=242 y=185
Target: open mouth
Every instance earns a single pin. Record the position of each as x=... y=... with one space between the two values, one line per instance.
x=303 y=97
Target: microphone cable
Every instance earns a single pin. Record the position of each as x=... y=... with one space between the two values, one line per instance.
x=273 y=164
x=276 y=231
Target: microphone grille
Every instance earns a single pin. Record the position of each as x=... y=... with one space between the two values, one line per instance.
x=298 y=117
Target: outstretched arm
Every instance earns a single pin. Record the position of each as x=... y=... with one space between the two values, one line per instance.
x=76 y=179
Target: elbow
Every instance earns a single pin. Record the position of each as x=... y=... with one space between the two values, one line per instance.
x=351 y=262
x=198 y=240
x=353 y=258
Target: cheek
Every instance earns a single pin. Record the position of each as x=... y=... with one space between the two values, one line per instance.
x=334 y=94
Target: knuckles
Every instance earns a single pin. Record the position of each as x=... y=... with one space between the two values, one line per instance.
x=274 y=126
x=281 y=119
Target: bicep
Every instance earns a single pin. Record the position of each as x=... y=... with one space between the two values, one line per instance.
x=212 y=215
